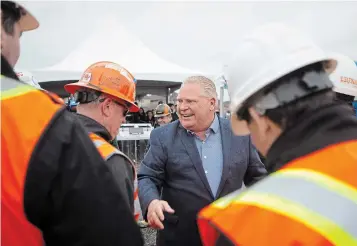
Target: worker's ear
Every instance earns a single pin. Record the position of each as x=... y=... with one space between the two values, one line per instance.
x=213 y=104
x=259 y=123
x=105 y=107
x=267 y=129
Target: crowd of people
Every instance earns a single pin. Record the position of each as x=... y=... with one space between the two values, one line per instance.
x=64 y=182
x=162 y=112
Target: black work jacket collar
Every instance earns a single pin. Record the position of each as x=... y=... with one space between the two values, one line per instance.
x=95 y=127
x=313 y=131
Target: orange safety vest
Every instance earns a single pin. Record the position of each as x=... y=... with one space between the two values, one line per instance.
x=311 y=201
x=25 y=114
x=107 y=150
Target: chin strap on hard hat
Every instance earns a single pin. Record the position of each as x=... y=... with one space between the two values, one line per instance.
x=287 y=92
x=86 y=96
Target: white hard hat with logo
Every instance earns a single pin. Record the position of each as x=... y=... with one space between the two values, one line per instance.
x=345 y=75
x=264 y=55
x=28 y=78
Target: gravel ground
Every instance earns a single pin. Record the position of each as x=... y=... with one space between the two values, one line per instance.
x=149 y=236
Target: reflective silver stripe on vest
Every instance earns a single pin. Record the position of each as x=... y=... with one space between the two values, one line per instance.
x=329 y=204
x=98 y=143
x=8 y=84
x=115 y=151
x=11 y=88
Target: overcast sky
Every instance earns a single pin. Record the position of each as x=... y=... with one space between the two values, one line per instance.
x=194 y=35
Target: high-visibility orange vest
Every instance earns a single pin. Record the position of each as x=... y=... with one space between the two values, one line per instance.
x=311 y=201
x=25 y=114
x=107 y=150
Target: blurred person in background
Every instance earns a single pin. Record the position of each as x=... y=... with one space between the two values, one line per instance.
x=310 y=141
x=72 y=105
x=193 y=161
x=105 y=93
x=163 y=115
x=150 y=117
x=345 y=80
x=142 y=115
x=55 y=186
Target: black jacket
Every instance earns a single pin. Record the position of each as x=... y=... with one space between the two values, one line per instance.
x=7 y=70
x=70 y=193
x=121 y=169
x=314 y=131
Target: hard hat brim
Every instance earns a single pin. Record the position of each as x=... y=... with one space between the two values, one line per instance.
x=73 y=87
x=239 y=127
x=346 y=91
x=161 y=115
x=277 y=72
x=28 y=22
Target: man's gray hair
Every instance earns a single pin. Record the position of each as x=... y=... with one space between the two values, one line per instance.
x=207 y=85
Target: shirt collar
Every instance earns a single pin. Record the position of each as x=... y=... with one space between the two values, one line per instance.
x=215 y=124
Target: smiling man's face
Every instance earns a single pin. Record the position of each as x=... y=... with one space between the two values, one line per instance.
x=193 y=108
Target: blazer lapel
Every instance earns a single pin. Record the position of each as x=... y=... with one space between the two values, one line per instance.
x=226 y=136
x=189 y=143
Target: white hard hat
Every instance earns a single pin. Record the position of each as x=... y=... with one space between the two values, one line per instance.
x=344 y=77
x=27 y=21
x=28 y=78
x=266 y=54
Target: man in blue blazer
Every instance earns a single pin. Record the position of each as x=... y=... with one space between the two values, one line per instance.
x=191 y=163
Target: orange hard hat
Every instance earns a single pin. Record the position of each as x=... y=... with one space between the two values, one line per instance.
x=109 y=78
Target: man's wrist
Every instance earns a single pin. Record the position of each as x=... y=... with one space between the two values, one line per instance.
x=153 y=201
x=147 y=209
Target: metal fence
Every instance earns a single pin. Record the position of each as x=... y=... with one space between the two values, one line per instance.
x=133 y=140
x=134 y=149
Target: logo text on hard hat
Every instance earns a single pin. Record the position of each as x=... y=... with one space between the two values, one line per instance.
x=86 y=77
x=348 y=80
x=121 y=70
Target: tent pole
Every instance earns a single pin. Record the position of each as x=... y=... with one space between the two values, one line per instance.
x=221 y=100
x=167 y=95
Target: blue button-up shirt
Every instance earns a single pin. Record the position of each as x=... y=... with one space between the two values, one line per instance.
x=211 y=154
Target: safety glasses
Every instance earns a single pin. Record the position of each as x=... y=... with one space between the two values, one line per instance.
x=125 y=112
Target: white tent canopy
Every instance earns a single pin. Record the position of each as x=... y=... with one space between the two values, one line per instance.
x=198 y=35
x=110 y=41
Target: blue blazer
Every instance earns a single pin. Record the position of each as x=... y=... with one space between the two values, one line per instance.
x=173 y=164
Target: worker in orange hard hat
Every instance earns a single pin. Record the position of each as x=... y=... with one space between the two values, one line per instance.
x=163 y=114
x=105 y=93
x=55 y=186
